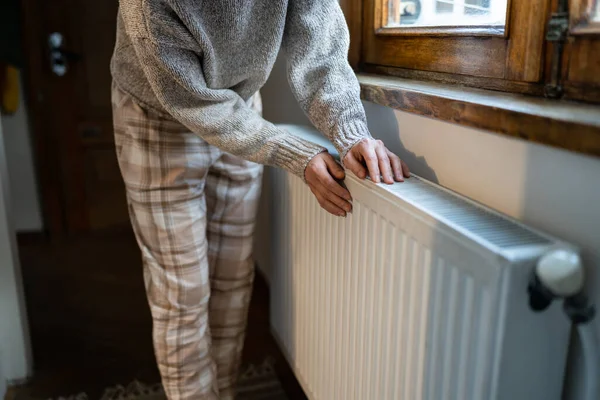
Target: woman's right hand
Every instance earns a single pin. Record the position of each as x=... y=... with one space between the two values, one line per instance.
x=322 y=175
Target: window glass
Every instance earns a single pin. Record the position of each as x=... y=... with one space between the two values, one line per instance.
x=446 y=13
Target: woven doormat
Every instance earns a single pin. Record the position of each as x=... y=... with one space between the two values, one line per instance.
x=257 y=382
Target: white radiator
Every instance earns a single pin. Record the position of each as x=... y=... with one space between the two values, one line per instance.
x=419 y=294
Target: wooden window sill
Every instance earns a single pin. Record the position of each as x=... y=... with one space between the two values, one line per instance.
x=563 y=124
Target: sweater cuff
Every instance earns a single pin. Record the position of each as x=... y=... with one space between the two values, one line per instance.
x=348 y=134
x=295 y=153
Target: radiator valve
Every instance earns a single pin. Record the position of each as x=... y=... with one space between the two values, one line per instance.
x=559 y=274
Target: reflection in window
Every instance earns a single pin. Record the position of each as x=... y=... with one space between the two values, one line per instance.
x=442 y=7
x=447 y=13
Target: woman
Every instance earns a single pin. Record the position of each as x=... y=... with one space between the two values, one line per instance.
x=190 y=139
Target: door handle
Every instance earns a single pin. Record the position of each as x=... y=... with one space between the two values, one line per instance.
x=59 y=57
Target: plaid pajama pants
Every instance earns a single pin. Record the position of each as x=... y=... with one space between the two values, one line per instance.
x=192 y=208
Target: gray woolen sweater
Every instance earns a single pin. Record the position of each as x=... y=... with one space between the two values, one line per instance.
x=199 y=61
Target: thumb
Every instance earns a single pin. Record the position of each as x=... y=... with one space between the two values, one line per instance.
x=334 y=168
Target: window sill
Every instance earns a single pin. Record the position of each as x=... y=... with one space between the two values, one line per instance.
x=566 y=125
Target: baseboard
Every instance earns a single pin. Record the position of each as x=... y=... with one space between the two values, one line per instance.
x=262 y=275
x=10 y=394
x=290 y=362
x=30 y=237
x=3 y=384
x=11 y=391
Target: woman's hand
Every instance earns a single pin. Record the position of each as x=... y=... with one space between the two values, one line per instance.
x=322 y=175
x=367 y=157
x=378 y=160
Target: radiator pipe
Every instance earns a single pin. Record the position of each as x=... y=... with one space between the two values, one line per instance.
x=589 y=344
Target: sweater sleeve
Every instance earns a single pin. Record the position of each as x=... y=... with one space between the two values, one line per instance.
x=219 y=116
x=316 y=43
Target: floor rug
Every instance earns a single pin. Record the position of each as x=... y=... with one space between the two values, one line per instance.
x=257 y=382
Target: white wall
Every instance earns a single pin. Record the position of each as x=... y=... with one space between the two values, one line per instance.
x=552 y=190
x=21 y=172
x=14 y=336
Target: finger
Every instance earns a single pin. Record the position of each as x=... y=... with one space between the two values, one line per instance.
x=372 y=162
x=334 y=168
x=384 y=164
x=405 y=170
x=329 y=184
x=339 y=201
x=396 y=166
x=329 y=206
x=355 y=166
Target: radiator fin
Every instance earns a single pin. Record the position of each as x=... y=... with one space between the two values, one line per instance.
x=480 y=222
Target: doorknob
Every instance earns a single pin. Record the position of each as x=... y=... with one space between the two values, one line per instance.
x=59 y=57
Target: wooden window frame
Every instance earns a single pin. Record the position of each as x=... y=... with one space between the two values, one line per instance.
x=581 y=60
x=515 y=55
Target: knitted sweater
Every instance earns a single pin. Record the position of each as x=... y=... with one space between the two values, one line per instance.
x=199 y=61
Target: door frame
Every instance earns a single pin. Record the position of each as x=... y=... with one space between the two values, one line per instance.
x=63 y=211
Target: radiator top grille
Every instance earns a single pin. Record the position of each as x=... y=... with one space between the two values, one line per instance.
x=490 y=227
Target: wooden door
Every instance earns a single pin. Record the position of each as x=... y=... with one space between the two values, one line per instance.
x=70 y=110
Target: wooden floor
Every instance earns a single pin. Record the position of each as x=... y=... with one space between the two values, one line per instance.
x=89 y=321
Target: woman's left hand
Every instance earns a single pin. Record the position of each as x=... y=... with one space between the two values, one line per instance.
x=371 y=157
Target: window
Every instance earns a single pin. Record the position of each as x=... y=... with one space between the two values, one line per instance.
x=507 y=45
x=585 y=16
x=466 y=37
x=427 y=13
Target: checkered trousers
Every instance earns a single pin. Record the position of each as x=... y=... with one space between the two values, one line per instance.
x=193 y=208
